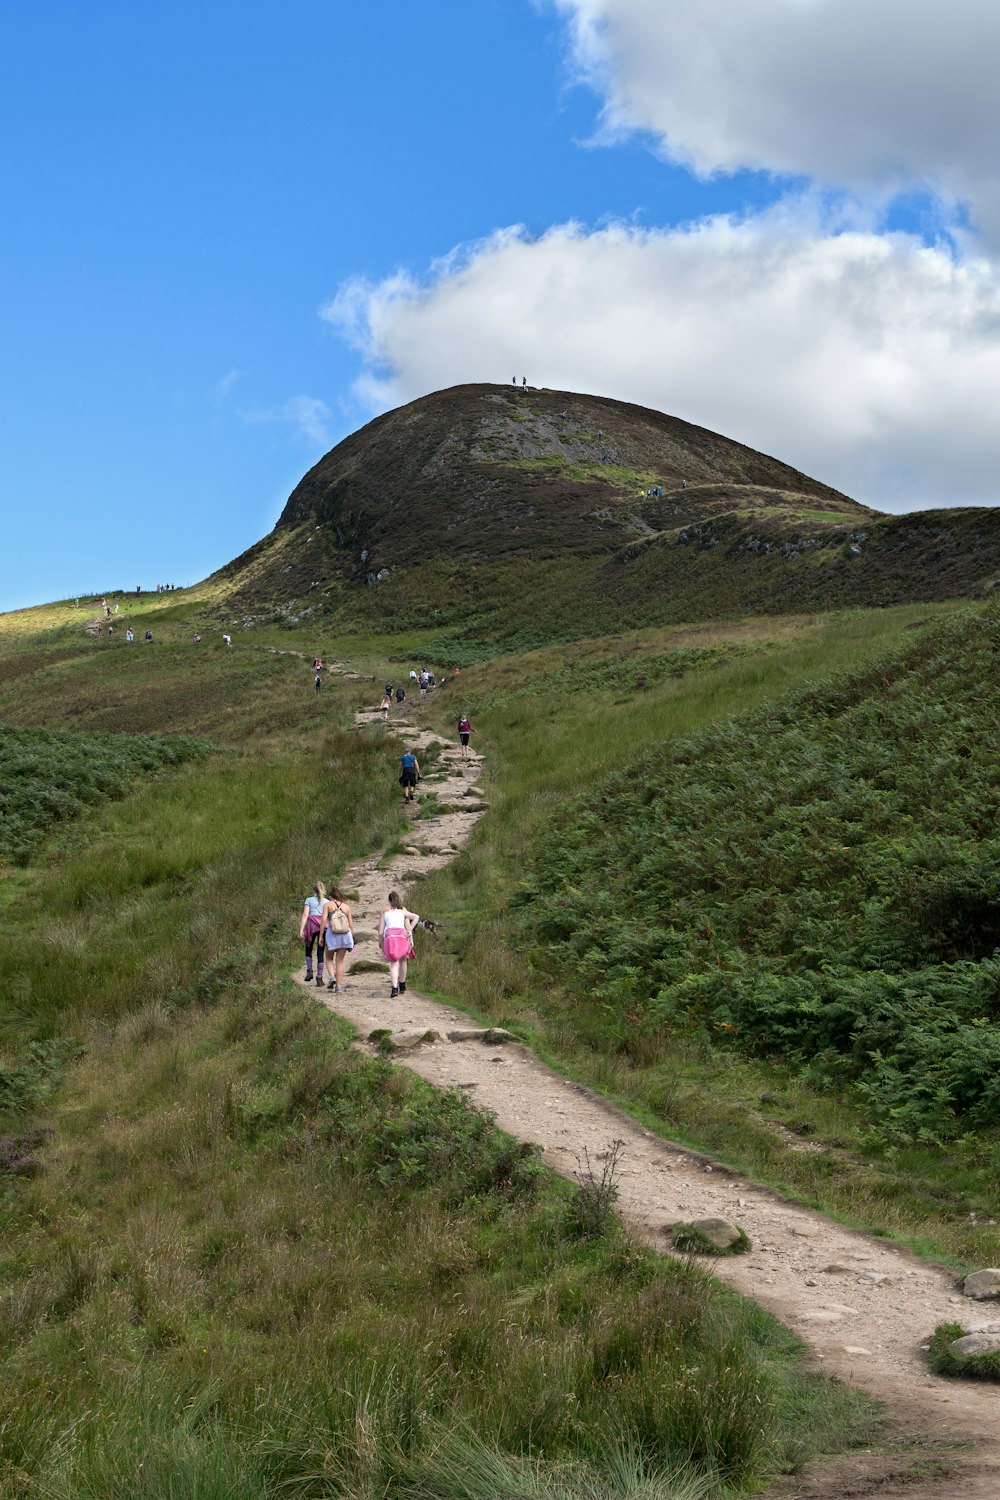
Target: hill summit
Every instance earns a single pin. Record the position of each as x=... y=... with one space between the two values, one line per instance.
x=505 y=518
x=484 y=471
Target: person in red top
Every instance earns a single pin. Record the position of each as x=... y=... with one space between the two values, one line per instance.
x=464 y=730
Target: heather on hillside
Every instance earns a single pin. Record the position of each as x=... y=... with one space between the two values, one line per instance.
x=48 y=778
x=818 y=880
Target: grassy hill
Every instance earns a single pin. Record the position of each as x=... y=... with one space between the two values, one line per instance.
x=499 y=520
x=239 y=1260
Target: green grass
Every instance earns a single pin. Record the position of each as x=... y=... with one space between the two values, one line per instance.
x=246 y=1262
x=47 y=779
x=544 y=746
x=962 y=1366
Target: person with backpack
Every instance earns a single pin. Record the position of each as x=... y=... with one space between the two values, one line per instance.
x=395 y=930
x=338 y=933
x=409 y=773
x=464 y=730
x=400 y=695
x=311 y=930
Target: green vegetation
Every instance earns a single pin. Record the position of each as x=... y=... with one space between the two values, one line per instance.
x=693 y=1241
x=825 y=878
x=257 y=1264
x=946 y=1362
x=47 y=779
x=781 y=1122
x=239 y=1259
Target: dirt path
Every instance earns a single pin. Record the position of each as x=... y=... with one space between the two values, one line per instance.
x=861 y=1306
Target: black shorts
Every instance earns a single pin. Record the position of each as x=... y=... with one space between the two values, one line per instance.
x=407 y=778
x=464 y=738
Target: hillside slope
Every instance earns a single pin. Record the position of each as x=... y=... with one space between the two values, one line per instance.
x=507 y=518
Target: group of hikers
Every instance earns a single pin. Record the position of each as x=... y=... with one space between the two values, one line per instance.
x=327 y=930
x=327 y=925
x=425 y=681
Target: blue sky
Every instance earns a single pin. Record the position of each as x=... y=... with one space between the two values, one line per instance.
x=232 y=233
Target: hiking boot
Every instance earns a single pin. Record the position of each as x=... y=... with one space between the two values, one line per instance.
x=333 y=985
x=319 y=980
x=309 y=975
x=402 y=986
x=393 y=994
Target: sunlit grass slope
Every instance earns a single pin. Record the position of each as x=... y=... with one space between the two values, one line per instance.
x=557 y=723
x=240 y=1261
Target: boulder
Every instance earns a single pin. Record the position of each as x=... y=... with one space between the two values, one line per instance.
x=982 y=1285
x=711 y=1236
x=976 y=1343
x=414 y=1038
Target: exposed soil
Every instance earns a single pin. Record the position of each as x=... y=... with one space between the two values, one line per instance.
x=862 y=1307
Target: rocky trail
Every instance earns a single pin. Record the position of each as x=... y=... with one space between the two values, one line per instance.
x=863 y=1307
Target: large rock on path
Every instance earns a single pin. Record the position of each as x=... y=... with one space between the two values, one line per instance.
x=982 y=1285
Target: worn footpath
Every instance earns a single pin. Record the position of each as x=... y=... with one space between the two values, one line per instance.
x=863 y=1307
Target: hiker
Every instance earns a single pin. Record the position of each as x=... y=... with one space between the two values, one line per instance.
x=388 y=690
x=149 y=635
x=464 y=730
x=319 y=679
x=129 y=636
x=311 y=930
x=338 y=935
x=385 y=706
x=400 y=695
x=395 y=928
x=409 y=774
x=228 y=639
x=413 y=674
x=457 y=670
x=524 y=382
x=422 y=680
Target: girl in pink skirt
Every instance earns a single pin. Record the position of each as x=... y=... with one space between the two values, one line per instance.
x=395 y=930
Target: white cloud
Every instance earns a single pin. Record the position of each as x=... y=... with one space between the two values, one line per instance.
x=310 y=418
x=872 y=95
x=868 y=360
x=225 y=385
